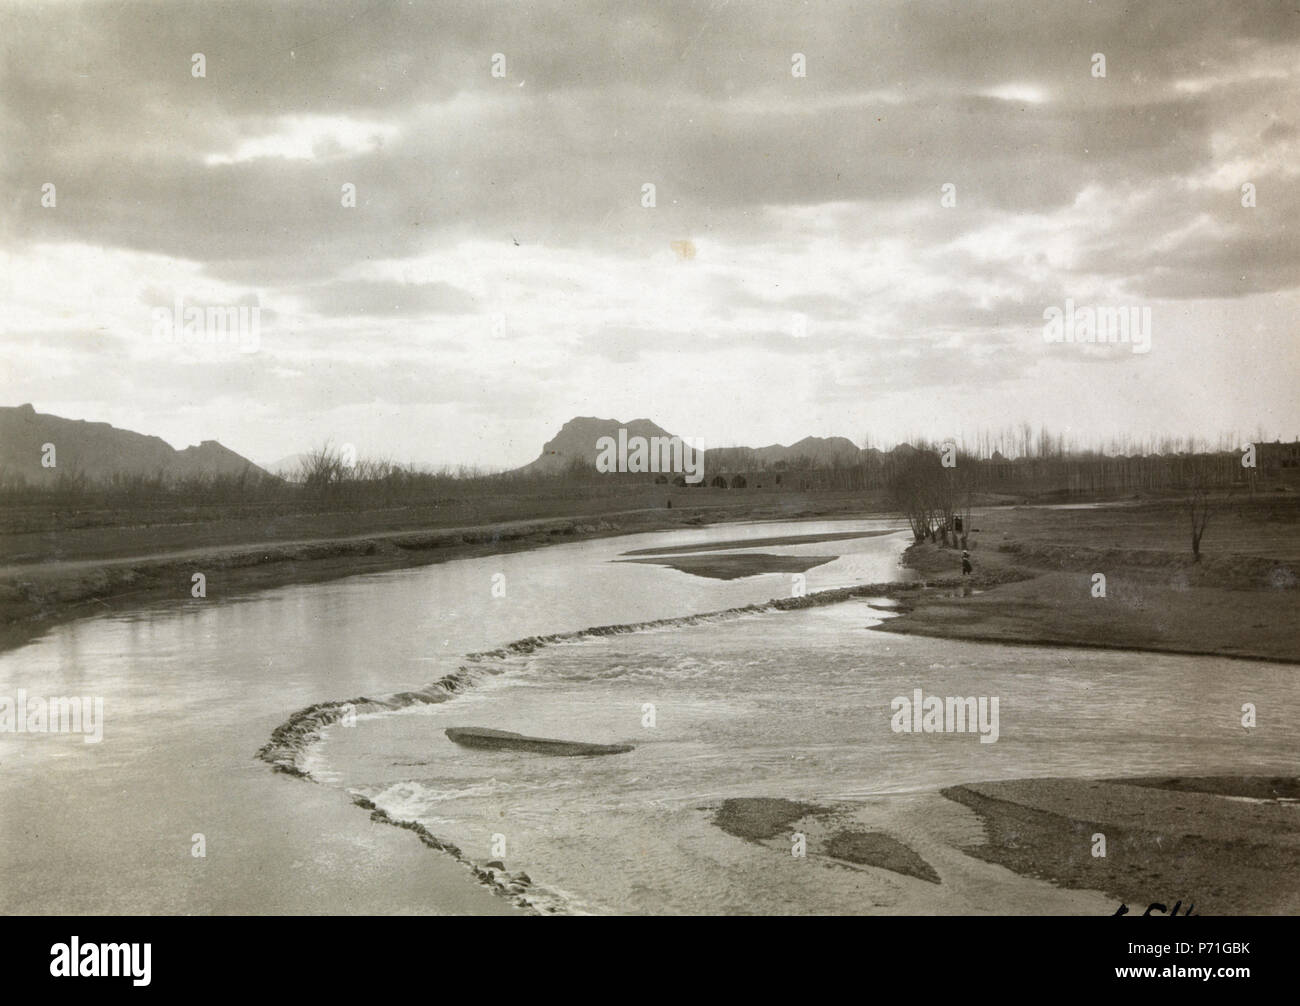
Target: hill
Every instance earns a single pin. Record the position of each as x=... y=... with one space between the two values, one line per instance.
x=99 y=451
x=576 y=442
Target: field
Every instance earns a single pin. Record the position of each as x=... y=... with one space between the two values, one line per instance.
x=1040 y=566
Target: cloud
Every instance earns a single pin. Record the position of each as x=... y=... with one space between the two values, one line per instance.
x=500 y=264
x=371 y=298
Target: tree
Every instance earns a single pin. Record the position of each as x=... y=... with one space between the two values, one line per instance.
x=1199 y=503
x=916 y=487
x=321 y=470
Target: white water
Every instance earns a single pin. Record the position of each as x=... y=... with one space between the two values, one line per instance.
x=784 y=704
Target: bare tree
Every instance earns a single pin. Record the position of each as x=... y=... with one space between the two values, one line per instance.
x=917 y=487
x=1199 y=503
x=321 y=470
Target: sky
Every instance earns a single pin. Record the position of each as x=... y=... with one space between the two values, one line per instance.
x=868 y=248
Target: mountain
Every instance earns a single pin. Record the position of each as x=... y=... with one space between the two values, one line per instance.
x=576 y=441
x=98 y=451
x=287 y=467
x=820 y=451
x=810 y=452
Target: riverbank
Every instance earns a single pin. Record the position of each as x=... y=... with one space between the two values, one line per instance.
x=1208 y=845
x=1228 y=846
x=1036 y=581
x=34 y=596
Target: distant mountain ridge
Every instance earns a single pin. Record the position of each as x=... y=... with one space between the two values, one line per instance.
x=99 y=451
x=816 y=451
x=576 y=443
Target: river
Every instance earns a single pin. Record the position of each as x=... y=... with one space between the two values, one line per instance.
x=786 y=704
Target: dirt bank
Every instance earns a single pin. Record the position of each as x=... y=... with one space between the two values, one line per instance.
x=1036 y=580
x=1162 y=845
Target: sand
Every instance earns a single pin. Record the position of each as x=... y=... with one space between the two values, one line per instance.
x=1026 y=846
x=875 y=848
x=763 y=819
x=794 y=539
x=1226 y=856
x=733 y=567
x=758 y=818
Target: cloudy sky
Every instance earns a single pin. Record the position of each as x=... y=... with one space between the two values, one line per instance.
x=798 y=274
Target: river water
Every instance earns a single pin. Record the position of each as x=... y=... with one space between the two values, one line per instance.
x=783 y=704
